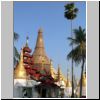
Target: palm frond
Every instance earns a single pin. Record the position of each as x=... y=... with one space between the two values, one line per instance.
x=79 y=41
x=16 y=36
x=70 y=11
x=16 y=53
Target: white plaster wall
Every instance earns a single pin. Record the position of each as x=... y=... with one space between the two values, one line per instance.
x=34 y=93
x=68 y=91
x=20 y=82
x=17 y=92
x=83 y=91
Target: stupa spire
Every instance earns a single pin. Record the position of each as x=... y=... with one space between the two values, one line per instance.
x=39 y=52
x=59 y=72
x=83 y=80
x=40 y=43
x=51 y=67
x=68 y=79
x=20 y=71
x=27 y=41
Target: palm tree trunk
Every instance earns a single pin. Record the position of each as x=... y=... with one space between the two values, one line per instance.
x=72 y=65
x=81 y=78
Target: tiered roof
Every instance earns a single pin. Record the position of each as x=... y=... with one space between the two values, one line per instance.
x=40 y=59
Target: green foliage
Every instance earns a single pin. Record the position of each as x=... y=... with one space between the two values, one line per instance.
x=70 y=11
x=79 y=52
x=16 y=53
x=16 y=36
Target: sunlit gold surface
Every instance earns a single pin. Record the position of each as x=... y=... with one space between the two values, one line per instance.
x=68 y=84
x=52 y=71
x=68 y=79
x=20 y=72
x=83 y=81
x=59 y=73
x=39 y=52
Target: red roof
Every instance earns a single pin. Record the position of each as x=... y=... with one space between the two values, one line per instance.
x=27 y=49
x=27 y=55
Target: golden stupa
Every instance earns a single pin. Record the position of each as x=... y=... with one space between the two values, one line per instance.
x=68 y=80
x=20 y=71
x=59 y=73
x=51 y=67
x=52 y=71
x=39 y=53
x=83 y=81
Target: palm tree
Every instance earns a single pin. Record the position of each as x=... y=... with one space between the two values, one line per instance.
x=71 y=14
x=16 y=36
x=16 y=54
x=79 y=52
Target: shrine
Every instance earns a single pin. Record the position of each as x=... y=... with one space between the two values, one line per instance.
x=35 y=75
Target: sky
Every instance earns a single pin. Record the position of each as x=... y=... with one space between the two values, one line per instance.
x=30 y=16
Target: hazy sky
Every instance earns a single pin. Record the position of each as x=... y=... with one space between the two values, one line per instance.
x=30 y=16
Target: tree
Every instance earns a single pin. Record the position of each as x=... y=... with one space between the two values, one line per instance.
x=70 y=14
x=16 y=54
x=79 y=52
x=16 y=36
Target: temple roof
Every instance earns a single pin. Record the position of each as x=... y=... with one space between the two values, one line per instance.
x=39 y=54
x=26 y=47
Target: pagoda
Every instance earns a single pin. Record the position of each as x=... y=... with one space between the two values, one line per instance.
x=20 y=71
x=68 y=85
x=35 y=72
x=39 y=56
x=83 y=86
x=26 y=55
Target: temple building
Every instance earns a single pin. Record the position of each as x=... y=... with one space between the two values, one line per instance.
x=36 y=77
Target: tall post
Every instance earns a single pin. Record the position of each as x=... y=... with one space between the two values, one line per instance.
x=72 y=64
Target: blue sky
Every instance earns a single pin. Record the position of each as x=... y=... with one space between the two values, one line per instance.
x=30 y=16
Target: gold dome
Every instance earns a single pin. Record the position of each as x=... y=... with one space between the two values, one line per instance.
x=20 y=71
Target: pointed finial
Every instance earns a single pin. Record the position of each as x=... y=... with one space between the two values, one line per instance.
x=40 y=30
x=27 y=41
x=59 y=69
x=51 y=61
x=21 y=56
